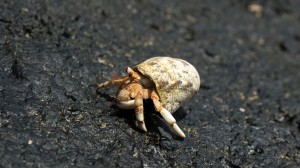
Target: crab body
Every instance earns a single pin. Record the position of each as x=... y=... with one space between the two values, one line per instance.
x=168 y=81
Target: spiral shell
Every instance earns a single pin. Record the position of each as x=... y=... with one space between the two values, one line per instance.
x=175 y=80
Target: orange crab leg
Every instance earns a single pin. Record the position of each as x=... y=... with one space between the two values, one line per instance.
x=139 y=111
x=118 y=82
x=166 y=114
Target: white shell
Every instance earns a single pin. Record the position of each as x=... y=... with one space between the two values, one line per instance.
x=176 y=80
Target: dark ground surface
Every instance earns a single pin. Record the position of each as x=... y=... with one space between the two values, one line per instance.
x=53 y=54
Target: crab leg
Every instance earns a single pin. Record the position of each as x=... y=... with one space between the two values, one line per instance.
x=166 y=114
x=119 y=81
x=113 y=82
x=139 y=111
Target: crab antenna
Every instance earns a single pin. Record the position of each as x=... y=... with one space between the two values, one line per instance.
x=115 y=76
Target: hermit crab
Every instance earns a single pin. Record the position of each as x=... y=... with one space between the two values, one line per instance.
x=168 y=81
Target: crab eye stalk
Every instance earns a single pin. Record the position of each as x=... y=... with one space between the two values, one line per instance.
x=132 y=74
x=129 y=71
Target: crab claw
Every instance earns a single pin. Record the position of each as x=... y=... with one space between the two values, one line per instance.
x=126 y=104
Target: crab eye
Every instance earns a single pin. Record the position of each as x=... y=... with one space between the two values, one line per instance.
x=132 y=74
x=129 y=71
